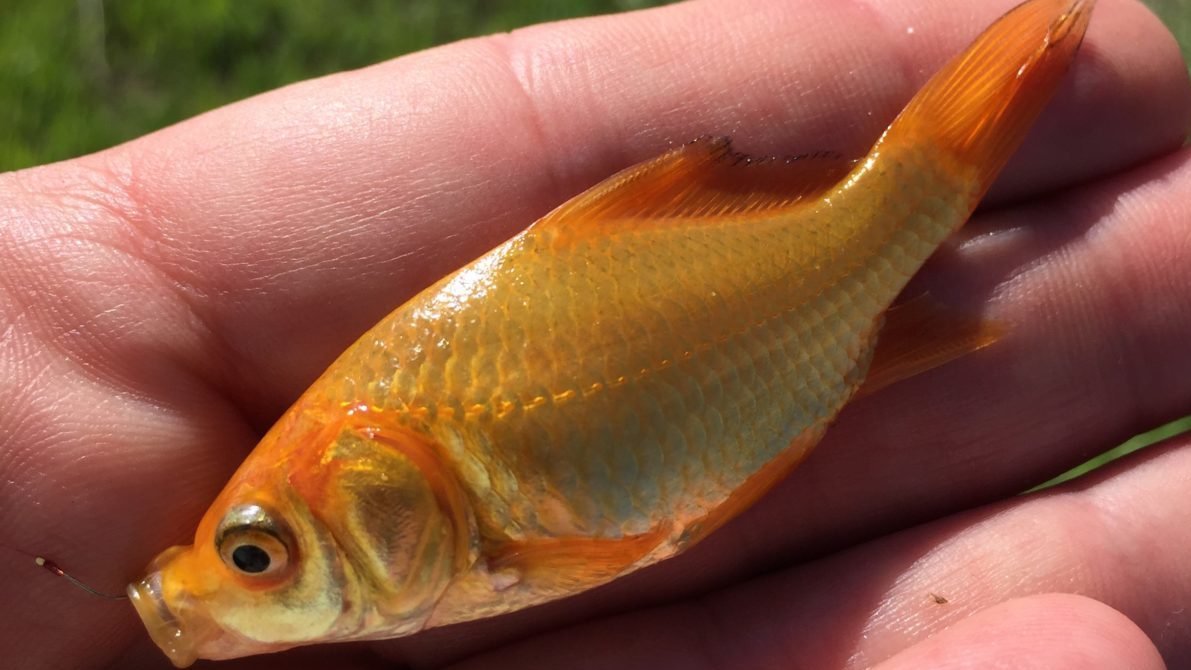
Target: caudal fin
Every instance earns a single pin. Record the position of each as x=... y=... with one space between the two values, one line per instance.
x=980 y=105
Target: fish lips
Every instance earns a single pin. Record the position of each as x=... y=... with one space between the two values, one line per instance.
x=164 y=627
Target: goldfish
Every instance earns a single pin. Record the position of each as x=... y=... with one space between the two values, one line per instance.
x=608 y=387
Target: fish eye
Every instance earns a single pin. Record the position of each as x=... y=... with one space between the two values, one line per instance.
x=251 y=558
x=251 y=542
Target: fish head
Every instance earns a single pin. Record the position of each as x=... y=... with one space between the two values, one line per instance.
x=263 y=574
x=328 y=531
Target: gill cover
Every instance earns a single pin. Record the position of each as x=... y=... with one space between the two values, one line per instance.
x=397 y=514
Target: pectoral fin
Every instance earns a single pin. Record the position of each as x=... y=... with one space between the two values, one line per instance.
x=922 y=334
x=578 y=562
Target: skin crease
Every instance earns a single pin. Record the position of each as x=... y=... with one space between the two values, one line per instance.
x=163 y=301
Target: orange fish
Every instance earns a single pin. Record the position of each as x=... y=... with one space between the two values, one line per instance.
x=609 y=386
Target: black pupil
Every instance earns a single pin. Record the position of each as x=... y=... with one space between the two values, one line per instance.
x=250 y=558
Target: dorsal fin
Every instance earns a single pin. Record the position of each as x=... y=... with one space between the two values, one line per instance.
x=702 y=181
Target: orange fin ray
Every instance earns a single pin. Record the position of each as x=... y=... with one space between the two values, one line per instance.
x=922 y=334
x=981 y=104
x=702 y=180
x=582 y=561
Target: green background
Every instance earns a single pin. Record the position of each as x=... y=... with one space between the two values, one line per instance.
x=76 y=77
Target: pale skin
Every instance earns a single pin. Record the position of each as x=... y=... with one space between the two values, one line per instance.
x=162 y=302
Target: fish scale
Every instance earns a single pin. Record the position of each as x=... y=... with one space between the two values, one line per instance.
x=765 y=373
x=771 y=395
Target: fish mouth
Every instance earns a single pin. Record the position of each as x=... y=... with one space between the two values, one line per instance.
x=164 y=627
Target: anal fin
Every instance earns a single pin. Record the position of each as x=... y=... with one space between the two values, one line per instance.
x=922 y=334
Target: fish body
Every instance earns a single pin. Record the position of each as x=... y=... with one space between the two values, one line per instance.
x=602 y=390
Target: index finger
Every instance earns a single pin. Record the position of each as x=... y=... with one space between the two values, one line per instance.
x=304 y=215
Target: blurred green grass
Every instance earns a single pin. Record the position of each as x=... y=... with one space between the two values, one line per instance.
x=80 y=76
x=1176 y=14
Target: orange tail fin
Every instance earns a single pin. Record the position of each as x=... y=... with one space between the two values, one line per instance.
x=979 y=106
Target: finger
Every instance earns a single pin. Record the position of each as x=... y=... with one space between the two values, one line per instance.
x=295 y=220
x=144 y=655
x=1044 y=632
x=89 y=445
x=1118 y=539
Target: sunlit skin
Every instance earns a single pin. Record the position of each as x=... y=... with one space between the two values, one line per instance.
x=608 y=387
x=943 y=465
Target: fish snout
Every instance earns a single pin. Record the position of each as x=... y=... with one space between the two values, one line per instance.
x=164 y=626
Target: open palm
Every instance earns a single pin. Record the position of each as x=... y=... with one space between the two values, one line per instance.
x=162 y=302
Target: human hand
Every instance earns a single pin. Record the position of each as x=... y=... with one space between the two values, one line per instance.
x=162 y=302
